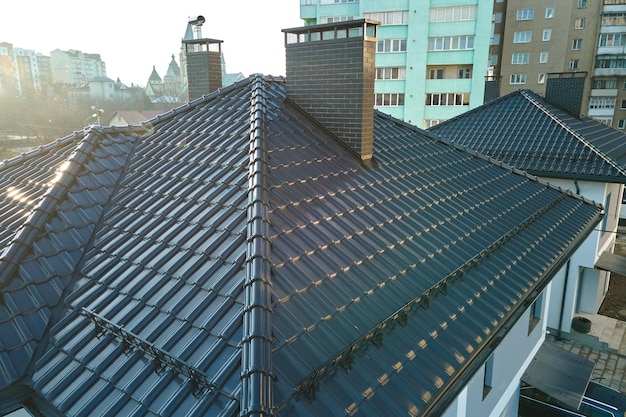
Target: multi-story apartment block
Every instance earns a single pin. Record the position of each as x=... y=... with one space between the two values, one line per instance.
x=545 y=39
x=75 y=67
x=431 y=62
x=8 y=68
x=27 y=69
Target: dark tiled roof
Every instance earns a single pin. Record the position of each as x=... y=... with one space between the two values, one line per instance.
x=524 y=130
x=236 y=244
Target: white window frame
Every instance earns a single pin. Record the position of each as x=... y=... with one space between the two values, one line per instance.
x=396 y=17
x=517 y=79
x=453 y=13
x=525 y=36
x=525 y=14
x=451 y=43
x=546 y=35
x=544 y=56
x=447 y=99
x=579 y=23
x=389 y=99
x=541 y=78
x=602 y=102
x=621 y=124
x=391 y=73
x=574 y=64
x=549 y=12
x=390 y=46
x=520 y=58
x=577 y=44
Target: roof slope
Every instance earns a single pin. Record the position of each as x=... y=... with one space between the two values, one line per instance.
x=524 y=130
x=236 y=259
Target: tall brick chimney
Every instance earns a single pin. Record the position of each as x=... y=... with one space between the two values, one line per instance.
x=203 y=60
x=330 y=74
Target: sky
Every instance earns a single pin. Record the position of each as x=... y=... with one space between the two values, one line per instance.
x=131 y=36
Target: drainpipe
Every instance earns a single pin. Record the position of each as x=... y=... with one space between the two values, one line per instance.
x=558 y=335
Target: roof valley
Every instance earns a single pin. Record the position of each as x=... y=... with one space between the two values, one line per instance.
x=256 y=374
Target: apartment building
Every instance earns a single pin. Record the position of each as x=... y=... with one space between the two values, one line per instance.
x=547 y=39
x=75 y=67
x=431 y=62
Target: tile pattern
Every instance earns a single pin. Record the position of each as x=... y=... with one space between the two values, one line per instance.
x=235 y=258
x=524 y=130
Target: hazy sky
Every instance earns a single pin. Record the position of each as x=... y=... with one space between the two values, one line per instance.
x=133 y=35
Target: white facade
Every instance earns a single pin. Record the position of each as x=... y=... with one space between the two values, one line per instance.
x=432 y=56
x=583 y=285
x=75 y=67
x=493 y=391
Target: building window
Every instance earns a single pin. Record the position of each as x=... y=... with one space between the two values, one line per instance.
x=543 y=57
x=488 y=377
x=582 y=4
x=525 y=14
x=535 y=313
x=394 y=73
x=549 y=12
x=604 y=120
x=465 y=73
x=610 y=61
x=431 y=122
x=447 y=99
x=573 y=64
x=613 y=19
x=517 y=79
x=453 y=13
x=541 y=78
x=577 y=44
x=390 y=99
x=522 y=37
x=579 y=23
x=337 y=1
x=436 y=74
x=547 y=35
x=495 y=40
x=622 y=105
x=497 y=18
x=612 y=39
x=390 y=18
x=602 y=103
x=391 y=45
x=493 y=60
x=621 y=124
x=520 y=58
x=604 y=84
x=337 y=19
x=451 y=43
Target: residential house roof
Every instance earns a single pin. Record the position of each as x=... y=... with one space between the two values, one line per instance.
x=132 y=117
x=233 y=258
x=524 y=130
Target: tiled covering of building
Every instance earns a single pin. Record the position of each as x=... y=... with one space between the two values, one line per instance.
x=233 y=258
x=524 y=130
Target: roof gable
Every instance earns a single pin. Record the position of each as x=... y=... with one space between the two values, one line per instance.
x=242 y=245
x=524 y=130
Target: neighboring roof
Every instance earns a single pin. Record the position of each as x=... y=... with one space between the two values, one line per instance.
x=173 y=70
x=134 y=117
x=233 y=248
x=524 y=130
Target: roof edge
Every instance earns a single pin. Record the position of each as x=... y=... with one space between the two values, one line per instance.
x=66 y=175
x=256 y=373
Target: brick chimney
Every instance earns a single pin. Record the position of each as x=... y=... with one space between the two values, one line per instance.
x=203 y=60
x=330 y=74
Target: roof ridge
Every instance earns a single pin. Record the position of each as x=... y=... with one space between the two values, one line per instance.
x=527 y=94
x=21 y=242
x=256 y=373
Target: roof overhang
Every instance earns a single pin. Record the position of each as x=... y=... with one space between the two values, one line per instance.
x=560 y=373
x=611 y=262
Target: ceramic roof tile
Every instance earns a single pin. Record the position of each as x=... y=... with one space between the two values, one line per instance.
x=524 y=130
x=169 y=311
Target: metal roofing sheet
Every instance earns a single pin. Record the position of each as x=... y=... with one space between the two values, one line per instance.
x=154 y=324
x=524 y=130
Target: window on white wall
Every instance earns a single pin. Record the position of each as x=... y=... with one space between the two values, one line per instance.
x=488 y=376
x=535 y=313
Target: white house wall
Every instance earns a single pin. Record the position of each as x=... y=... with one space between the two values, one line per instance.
x=510 y=360
x=586 y=286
